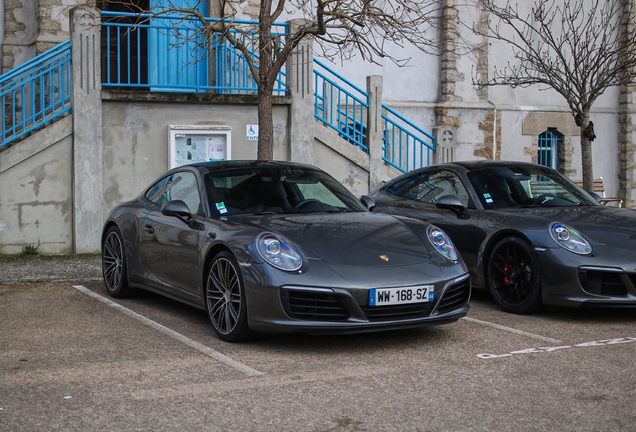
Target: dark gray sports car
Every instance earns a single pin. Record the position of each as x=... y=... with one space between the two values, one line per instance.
x=527 y=233
x=281 y=247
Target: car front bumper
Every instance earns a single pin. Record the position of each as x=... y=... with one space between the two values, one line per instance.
x=328 y=310
x=607 y=278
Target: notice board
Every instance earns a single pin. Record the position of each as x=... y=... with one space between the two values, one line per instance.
x=191 y=144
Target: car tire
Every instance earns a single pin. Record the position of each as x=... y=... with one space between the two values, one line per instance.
x=514 y=276
x=225 y=300
x=114 y=265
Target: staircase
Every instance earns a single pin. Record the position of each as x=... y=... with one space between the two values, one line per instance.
x=35 y=93
x=38 y=92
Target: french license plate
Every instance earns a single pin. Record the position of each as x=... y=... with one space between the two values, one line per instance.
x=399 y=296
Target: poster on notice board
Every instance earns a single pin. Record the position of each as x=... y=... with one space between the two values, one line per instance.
x=189 y=145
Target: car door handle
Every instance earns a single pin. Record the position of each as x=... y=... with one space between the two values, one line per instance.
x=149 y=229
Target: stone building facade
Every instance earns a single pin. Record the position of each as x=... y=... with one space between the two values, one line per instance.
x=31 y=27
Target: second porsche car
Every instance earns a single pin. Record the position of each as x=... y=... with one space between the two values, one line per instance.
x=527 y=233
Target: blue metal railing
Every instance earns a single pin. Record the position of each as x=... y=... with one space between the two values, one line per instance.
x=36 y=92
x=171 y=53
x=343 y=107
x=406 y=146
x=233 y=75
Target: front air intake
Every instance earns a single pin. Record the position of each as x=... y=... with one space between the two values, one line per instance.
x=313 y=306
x=455 y=296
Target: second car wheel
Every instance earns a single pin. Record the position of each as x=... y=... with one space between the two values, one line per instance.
x=225 y=299
x=513 y=276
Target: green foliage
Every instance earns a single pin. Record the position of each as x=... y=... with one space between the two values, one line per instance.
x=30 y=250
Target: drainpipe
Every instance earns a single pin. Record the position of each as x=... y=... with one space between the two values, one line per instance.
x=494 y=131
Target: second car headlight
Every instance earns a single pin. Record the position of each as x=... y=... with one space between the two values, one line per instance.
x=278 y=252
x=442 y=243
x=570 y=239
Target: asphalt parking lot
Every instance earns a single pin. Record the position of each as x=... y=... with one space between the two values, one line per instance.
x=73 y=359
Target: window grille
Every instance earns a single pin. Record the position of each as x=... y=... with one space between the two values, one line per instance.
x=549 y=142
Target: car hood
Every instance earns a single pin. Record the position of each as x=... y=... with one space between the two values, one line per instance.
x=349 y=239
x=600 y=224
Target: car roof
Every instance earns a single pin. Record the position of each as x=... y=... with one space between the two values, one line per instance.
x=218 y=165
x=478 y=164
x=466 y=166
x=463 y=167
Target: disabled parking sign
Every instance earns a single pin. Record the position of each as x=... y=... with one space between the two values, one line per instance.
x=251 y=133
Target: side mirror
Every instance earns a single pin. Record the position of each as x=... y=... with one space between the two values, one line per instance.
x=368 y=202
x=180 y=210
x=176 y=208
x=452 y=203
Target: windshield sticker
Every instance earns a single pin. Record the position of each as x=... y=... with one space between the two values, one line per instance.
x=221 y=207
x=487 y=198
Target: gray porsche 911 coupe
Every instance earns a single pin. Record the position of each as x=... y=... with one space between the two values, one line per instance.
x=279 y=247
x=527 y=234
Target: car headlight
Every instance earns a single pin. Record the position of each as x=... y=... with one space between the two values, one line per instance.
x=442 y=243
x=570 y=239
x=278 y=252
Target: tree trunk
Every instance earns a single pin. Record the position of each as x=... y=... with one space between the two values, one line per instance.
x=265 y=79
x=265 y=124
x=587 y=136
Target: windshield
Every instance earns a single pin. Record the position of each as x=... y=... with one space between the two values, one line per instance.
x=276 y=190
x=523 y=186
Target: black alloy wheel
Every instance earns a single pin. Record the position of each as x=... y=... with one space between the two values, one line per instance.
x=225 y=299
x=114 y=268
x=514 y=277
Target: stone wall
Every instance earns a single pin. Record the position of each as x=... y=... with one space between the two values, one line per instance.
x=627 y=134
x=34 y=26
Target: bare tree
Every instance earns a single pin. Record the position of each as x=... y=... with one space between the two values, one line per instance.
x=341 y=29
x=578 y=48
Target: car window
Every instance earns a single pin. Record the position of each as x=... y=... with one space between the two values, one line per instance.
x=276 y=190
x=178 y=186
x=318 y=191
x=430 y=187
x=524 y=186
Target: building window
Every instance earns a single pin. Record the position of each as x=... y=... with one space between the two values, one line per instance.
x=549 y=143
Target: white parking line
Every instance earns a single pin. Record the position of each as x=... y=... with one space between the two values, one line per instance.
x=173 y=334
x=512 y=330
x=603 y=342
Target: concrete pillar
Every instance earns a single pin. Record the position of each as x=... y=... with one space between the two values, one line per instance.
x=88 y=187
x=627 y=140
x=375 y=131
x=300 y=81
x=627 y=122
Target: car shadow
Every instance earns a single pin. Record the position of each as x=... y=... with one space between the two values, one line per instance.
x=563 y=314
x=354 y=342
x=590 y=315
